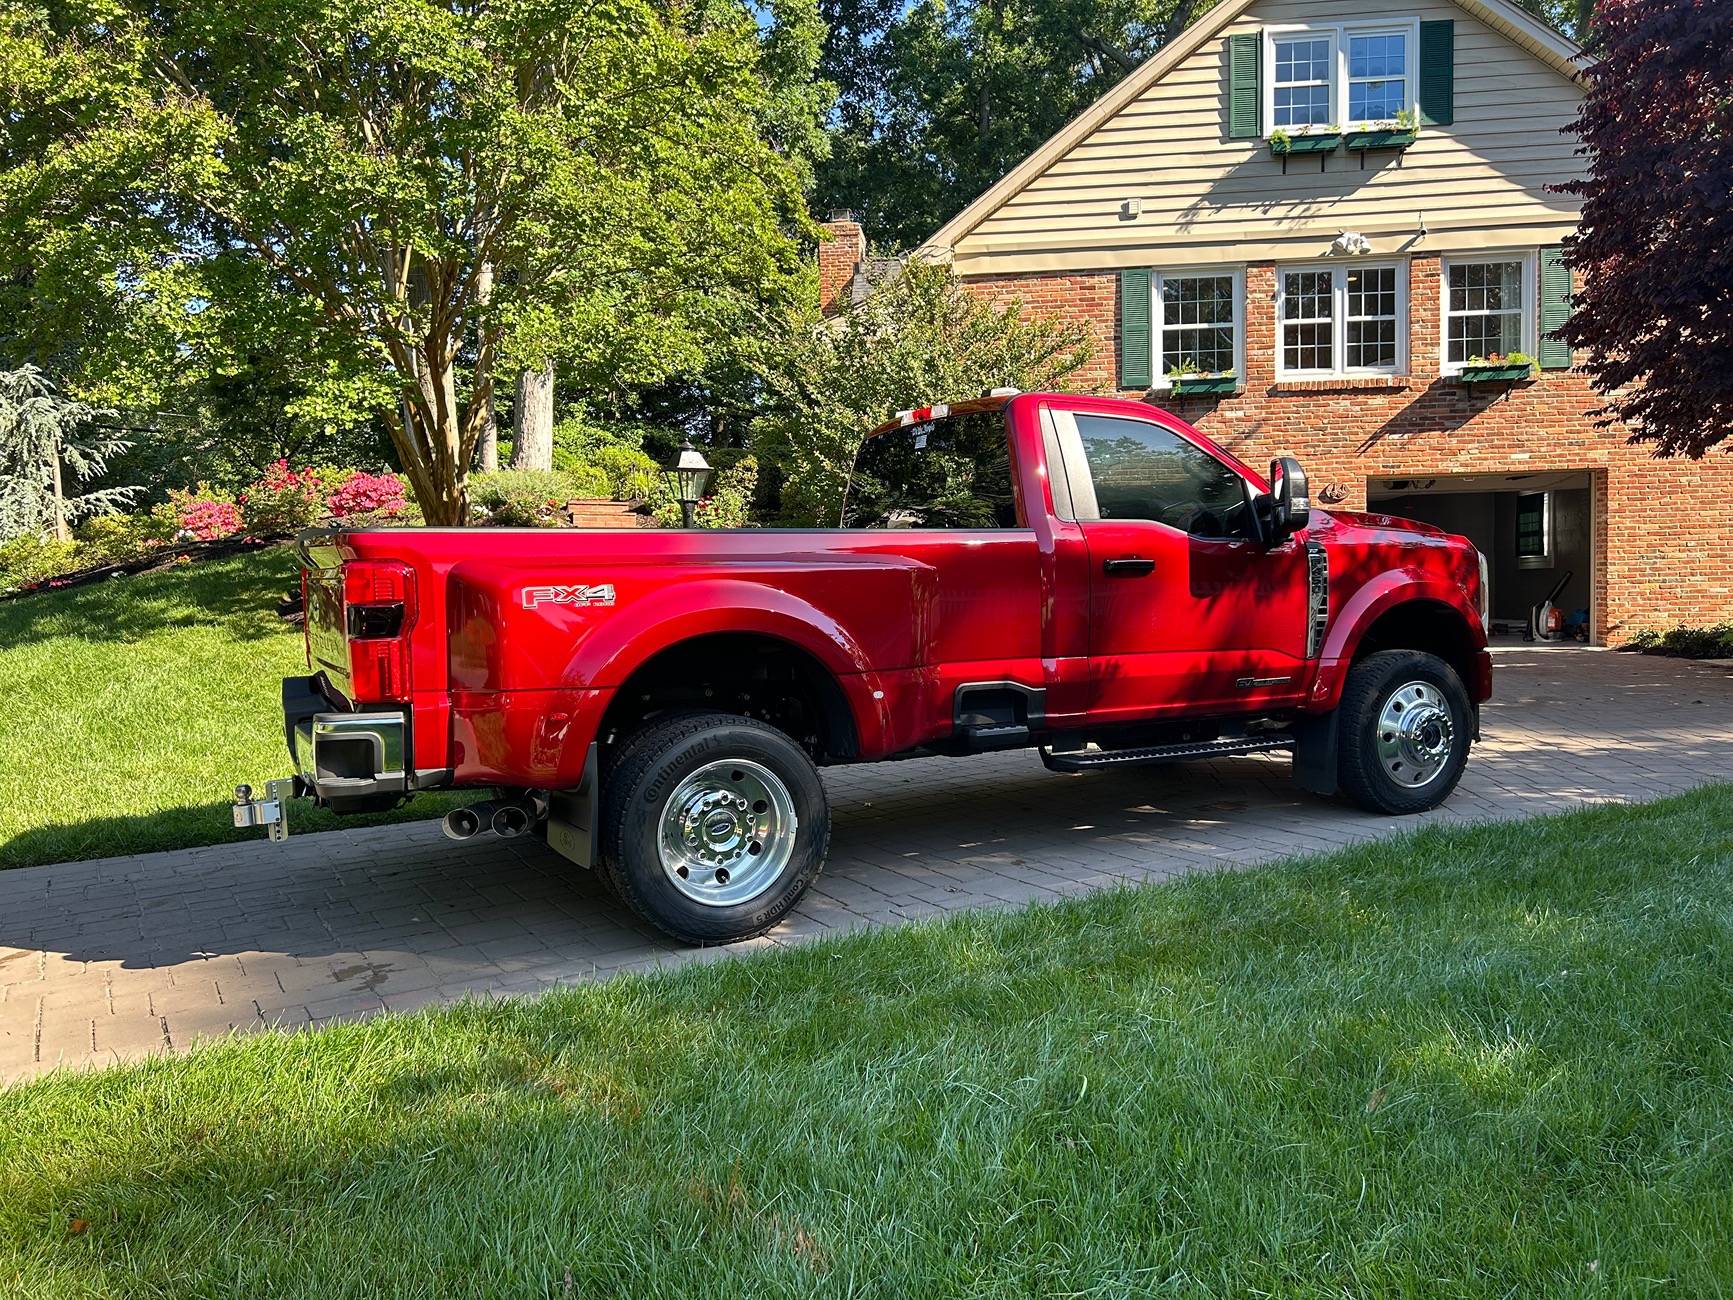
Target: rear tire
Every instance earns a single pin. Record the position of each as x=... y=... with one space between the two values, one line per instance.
x=713 y=825
x=1405 y=728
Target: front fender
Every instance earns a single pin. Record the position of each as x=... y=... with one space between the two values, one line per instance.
x=1370 y=602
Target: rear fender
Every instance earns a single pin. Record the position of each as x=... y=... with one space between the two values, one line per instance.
x=609 y=656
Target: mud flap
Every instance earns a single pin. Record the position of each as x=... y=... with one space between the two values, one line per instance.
x=1315 y=764
x=574 y=816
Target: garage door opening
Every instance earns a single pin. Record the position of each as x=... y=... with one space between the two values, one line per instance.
x=1537 y=532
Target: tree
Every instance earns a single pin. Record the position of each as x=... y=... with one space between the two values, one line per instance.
x=1654 y=252
x=42 y=436
x=410 y=199
x=920 y=338
x=936 y=101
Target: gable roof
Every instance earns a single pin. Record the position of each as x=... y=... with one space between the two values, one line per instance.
x=1516 y=24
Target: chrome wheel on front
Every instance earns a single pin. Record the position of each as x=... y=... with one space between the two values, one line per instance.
x=727 y=832
x=1415 y=734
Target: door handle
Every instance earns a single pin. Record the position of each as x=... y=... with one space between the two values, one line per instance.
x=1132 y=566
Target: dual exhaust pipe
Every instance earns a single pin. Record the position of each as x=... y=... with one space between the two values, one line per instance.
x=506 y=818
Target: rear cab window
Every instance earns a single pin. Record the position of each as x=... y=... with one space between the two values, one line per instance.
x=950 y=472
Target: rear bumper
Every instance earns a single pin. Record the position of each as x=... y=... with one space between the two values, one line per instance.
x=340 y=757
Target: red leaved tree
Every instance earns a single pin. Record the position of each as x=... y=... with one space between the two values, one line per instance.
x=1654 y=254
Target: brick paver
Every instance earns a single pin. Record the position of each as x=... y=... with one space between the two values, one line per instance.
x=101 y=961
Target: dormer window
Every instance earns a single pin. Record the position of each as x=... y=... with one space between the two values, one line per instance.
x=1339 y=76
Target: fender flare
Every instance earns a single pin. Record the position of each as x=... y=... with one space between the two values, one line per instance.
x=1371 y=602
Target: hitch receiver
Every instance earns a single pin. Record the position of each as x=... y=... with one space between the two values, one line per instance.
x=271 y=812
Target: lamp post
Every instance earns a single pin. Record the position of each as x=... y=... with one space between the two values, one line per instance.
x=687 y=479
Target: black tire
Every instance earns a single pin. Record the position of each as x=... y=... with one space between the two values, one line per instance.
x=1365 y=776
x=648 y=770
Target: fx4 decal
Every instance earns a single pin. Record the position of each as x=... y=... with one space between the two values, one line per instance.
x=600 y=594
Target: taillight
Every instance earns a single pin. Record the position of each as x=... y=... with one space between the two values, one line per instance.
x=378 y=612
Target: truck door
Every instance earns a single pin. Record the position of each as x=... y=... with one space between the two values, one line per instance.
x=1188 y=611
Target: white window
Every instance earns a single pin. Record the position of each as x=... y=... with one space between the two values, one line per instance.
x=1197 y=324
x=1345 y=76
x=1488 y=308
x=1304 y=69
x=1342 y=320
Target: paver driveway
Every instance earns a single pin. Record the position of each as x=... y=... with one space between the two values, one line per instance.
x=111 y=959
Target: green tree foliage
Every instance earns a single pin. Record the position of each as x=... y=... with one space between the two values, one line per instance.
x=920 y=339
x=46 y=439
x=408 y=199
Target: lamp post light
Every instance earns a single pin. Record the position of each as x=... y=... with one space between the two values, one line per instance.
x=687 y=480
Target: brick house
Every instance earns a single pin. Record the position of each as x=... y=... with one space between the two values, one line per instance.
x=1301 y=226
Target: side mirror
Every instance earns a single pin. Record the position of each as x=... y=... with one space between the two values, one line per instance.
x=1292 y=499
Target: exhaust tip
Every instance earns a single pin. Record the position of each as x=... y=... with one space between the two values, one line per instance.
x=511 y=820
x=461 y=823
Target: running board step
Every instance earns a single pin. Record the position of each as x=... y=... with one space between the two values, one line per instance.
x=1092 y=760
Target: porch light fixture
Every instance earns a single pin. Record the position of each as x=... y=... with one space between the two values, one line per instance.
x=687 y=480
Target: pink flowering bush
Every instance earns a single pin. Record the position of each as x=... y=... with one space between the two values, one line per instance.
x=204 y=514
x=379 y=496
x=282 y=500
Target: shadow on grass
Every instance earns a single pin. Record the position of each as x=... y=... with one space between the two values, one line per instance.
x=237 y=594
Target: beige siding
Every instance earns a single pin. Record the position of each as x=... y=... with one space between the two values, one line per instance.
x=1205 y=198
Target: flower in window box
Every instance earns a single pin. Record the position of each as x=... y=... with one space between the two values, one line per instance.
x=1305 y=140
x=1498 y=367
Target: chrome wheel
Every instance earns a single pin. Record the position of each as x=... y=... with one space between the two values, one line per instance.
x=728 y=830
x=1415 y=734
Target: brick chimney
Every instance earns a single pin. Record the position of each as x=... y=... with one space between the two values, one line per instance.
x=838 y=257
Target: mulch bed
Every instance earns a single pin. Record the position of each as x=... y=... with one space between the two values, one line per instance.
x=166 y=558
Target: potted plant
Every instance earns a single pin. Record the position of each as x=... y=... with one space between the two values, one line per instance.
x=1499 y=367
x=1401 y=132
x=1305 y=139
x=1186 y=380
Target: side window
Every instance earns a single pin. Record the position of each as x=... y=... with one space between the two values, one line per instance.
x=953 y=472
x=1143 y=471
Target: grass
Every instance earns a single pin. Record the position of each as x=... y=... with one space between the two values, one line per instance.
x=1481 y=1062
x=148 y=698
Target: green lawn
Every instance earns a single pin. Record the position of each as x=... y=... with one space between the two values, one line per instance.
x=1491 y=1062
x=135 y=706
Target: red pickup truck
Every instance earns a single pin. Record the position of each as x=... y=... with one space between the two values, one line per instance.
x=1088 y=576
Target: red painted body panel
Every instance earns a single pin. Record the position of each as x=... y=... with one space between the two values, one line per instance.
x=509 y=689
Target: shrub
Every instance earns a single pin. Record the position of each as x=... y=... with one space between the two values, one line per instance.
x=117 y=539
x=282 y=501
x=374 y=496
x=531 y=498
x=204 y=514
x=1687 y=642
x=729 y=504
x=30 y=559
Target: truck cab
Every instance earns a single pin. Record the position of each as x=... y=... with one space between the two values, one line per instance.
x=1087 y=577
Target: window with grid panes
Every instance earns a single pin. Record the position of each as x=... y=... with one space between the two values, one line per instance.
x=1198 y=323
x=1485 y=308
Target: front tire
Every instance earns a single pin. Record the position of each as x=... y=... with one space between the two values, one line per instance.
x=1405 y=728
x=713 y=825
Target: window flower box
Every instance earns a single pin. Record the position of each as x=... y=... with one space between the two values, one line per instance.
x=1283 y=145
x=1198 y=385
x=1501 y=372
x=1393 y=138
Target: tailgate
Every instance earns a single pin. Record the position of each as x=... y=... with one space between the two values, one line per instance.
x=322 y=588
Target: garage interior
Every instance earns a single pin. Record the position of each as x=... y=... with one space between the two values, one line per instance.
x=1536 y=530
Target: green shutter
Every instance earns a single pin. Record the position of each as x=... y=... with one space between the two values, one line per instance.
x=1438 y=72
x=1245 y=91
x=1135 y=345
x=1555 y=308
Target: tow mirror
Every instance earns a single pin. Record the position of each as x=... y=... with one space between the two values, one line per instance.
x=1288 y=490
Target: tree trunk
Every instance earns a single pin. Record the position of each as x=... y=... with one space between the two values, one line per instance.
x=489 y=440
x=533 y=446
x=61 y=532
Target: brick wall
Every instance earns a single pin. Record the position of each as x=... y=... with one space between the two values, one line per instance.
x=1663 y=546
x=837 y=258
